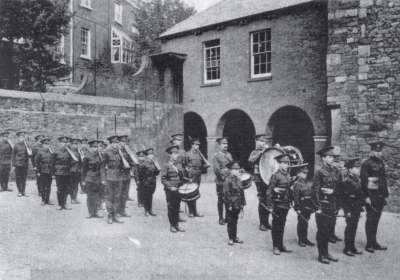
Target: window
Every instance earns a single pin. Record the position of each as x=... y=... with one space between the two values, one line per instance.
x=118 y=12
x=261 y=53
x=85 y=43
x=122 y=48
x=86 y=4
x=212 y=61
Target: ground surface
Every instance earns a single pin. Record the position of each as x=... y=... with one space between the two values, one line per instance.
x=42 y=243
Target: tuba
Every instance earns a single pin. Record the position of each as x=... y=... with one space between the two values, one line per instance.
x=28 y=149
x=71 y=153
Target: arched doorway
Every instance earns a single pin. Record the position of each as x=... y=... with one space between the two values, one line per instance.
x=239 y=128
x=292 y=126
x=195 y=127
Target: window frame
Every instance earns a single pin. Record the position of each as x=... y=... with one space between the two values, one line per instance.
x=205 y=68
x=86 y=4
x=88 y=55
x=121 y=8
x=125 y=47
x=267 y=74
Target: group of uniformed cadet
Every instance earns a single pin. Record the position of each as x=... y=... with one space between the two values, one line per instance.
x=340 y=183
x=104 y=173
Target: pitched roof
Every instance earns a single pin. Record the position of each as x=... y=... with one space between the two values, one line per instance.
x=228 y=10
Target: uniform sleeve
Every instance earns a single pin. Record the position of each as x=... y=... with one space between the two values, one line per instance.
x=85 y=166
x=254 y=156
x=164 y=177
x=102 y=171
x=226 y=190
x=36 y=161
x=269 y=192
x=317 y=184
x=296 y=195
x=364 y=178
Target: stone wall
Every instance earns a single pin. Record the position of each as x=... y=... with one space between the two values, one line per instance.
x=148 y=125
x=363 y=68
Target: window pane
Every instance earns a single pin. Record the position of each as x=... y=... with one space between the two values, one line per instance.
x=212 y=60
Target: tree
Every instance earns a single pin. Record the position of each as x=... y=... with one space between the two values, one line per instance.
x=153 y=17
x=39 y=26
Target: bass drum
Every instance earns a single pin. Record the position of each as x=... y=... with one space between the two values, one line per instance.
x=269 y=165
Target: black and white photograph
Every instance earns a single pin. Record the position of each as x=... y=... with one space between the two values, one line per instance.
x=199 y=139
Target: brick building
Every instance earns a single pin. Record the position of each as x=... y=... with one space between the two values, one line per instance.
x=253 y=67
x=99 y=29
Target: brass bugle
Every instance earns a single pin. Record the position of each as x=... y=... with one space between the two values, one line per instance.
x=131 y=154
x=204 y=159
x=125 y=163
x=71 y=153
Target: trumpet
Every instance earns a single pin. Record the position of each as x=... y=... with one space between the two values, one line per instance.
x=204 y=159
x=71 y=153
x=81 y=153
x=28 y=149
x=125 y=163
x=130 y=154
x=51 y=150
x=156 y=165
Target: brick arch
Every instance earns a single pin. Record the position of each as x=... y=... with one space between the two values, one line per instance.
x=195 y=127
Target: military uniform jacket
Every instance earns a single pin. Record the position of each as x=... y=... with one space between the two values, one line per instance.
x=373 y=179
x=93 y=168
x=278 y=194
x=76 y=166
x=233 y=194
x=147 y=173
x=220 y=160
x=20 y=155
x=353 y=196
x=254 y=160
x=62 y=162
x=302 y=195
x=44 y=161
x=326 y=179
x=172 y=175
x=113 y=164
x=6 y=151
x=35 y=149
x=194 y=163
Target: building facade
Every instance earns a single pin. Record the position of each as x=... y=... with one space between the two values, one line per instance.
x=100 y=30
x=260 y=68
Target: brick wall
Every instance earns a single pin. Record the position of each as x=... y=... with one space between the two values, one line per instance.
x=363 y=67
x=78 y=115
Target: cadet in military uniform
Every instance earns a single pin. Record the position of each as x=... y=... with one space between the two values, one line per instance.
x=172 y=177
x=148 y=170
x=234 y=200
x=220 y=162
x=352 y=202
x=278 y=200
x=62 y=159
x=374 y=186
x=113 y=158
x=303 y=204
x=177 y=140
x=6 y=148
x=93 y=177
x=254 y=159
x=125 y=175
x=44 y=167
x=325 y=182
x=75 y=171
x=20 y=161
x=35 y=148
x=194 y=163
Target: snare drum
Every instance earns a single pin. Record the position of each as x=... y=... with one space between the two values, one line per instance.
x=189 y=192
x=246 y=180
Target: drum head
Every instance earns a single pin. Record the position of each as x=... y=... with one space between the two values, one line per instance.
x=268 y=163
x=188 y=188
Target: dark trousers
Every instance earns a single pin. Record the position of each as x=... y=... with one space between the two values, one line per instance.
x=263 y=213
x=75 y=178
x=173 y=200
x=350 y=231
x=192 y=205
x=324 y=227
x=220 y=203
x=113 y=196
x=44 y=185
x=38 y=184
x=148 y=192
x=4 y=176
x=126 y=184
x=21 y=172
x=278 y=226
x=139 y=193
x=63 y=185
x=302 y=224
x=371 y=224
x=232 y=217
x=93 y=191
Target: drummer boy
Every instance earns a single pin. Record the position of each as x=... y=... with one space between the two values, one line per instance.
x=234 y=200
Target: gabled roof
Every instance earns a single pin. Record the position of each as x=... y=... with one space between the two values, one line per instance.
x=228 y=10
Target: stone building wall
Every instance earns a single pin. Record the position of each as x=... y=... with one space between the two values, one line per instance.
x=363 y=68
